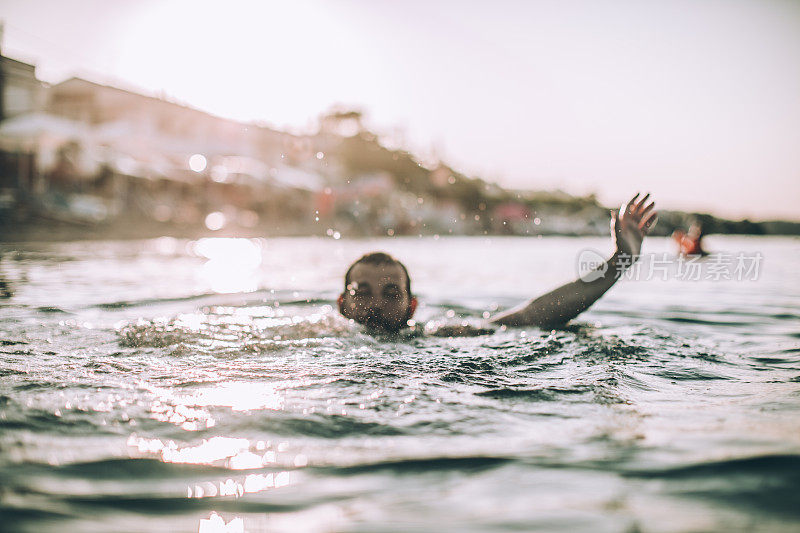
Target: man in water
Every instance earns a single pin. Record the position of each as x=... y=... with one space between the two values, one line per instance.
x=378 y=293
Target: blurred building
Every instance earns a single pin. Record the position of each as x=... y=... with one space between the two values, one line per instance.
x=172 y=126
x=81 y=150
x=20 y=91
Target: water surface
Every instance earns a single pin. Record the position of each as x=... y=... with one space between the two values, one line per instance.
x=172 y=385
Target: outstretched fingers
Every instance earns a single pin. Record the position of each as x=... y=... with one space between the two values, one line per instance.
x=647 y=209
x=629 y=207
x=642 y=202
x=637 y=213
x=648 y=222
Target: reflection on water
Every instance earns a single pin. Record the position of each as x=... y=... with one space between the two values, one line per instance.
x=233 y=453
x=239 y=396
x=232 y=263
x=215 y=524
x=143 y=389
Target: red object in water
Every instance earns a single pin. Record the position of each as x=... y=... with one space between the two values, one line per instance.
x=688 y=244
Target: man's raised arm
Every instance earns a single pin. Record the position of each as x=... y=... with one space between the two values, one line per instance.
x=557 y=307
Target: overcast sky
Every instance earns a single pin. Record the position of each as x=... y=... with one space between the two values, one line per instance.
x=697 y=101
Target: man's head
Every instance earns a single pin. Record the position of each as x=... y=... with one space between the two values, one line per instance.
x=377 y=293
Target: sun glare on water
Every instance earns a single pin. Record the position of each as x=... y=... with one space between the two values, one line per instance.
x=232 y=264
x=239 y=396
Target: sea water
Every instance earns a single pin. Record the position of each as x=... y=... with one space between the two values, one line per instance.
x=210 y=385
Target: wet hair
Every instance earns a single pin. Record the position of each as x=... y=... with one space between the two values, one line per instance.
x=378 y=258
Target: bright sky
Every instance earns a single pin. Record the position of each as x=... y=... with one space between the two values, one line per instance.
x=697 y=101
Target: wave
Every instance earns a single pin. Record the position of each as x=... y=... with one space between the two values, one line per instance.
x=780 y=465
x=767 y=483
x=423 y=464
x=689 y=374
x=548 y=394
x=52 y=310
x=119 y=469
x=708 y=322
x=282 y=297
x=11 y=342
x=221 y=337
x=47 y=422
x=326 y=426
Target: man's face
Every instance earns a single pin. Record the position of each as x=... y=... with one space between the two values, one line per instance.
x=376 y=296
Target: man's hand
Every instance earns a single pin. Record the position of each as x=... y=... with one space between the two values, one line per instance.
x=557 y=307
x=631 y=224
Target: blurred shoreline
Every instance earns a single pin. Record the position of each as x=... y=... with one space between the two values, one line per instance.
x=43 y=230
x=88 y=161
